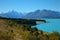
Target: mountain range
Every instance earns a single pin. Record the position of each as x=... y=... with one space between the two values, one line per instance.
x=43 y=14
x=12 y=14
x=38 y=14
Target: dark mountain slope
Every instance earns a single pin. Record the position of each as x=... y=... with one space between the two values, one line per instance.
x=43 y=14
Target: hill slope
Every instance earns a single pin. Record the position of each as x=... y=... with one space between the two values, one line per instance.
x=11 y=30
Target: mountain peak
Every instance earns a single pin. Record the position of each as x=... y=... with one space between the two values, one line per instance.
x=44 y=14
x=44 y=10
x=13 y=11
x=12 y=14
x=38 y=14
x=37 y=11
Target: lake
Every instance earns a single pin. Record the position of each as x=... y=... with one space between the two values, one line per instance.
x=50 y=26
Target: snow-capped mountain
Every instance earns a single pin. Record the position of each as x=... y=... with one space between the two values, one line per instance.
x=12 y=14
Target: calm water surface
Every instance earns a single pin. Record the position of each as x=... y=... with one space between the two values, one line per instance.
x=50 y=26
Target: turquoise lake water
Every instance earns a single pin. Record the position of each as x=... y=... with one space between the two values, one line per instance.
x=50 y=26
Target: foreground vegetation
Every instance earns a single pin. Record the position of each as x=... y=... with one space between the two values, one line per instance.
x=10 y=30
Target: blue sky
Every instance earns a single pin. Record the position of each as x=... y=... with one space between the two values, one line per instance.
x=29 y=5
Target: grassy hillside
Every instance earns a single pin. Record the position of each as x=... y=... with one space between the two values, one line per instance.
x=11 y=30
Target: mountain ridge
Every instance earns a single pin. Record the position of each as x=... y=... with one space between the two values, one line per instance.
x=43 y=14
x=38 y=14
x=12 y=14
